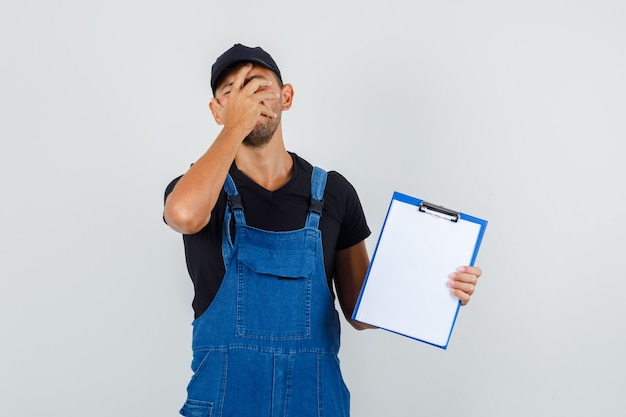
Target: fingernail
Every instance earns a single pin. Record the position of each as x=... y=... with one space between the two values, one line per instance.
x=461 y=269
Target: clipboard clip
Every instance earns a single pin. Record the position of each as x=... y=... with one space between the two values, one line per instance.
x=439 y=211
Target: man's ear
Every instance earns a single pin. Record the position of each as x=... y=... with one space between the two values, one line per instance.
x=216 y=109
x=287 y=95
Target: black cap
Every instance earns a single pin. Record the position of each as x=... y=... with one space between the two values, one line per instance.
x=241 y=53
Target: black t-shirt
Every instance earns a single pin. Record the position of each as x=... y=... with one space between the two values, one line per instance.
x=342 y=223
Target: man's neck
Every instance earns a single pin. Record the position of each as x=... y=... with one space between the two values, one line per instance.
x=270 y=166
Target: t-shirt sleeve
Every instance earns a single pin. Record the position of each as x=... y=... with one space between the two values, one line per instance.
x=169 y=189
x=354 y=226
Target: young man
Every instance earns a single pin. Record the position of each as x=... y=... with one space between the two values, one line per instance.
x=266 y=235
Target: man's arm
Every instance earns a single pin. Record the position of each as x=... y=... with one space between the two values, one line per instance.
x=350 y=269
x=188 y=207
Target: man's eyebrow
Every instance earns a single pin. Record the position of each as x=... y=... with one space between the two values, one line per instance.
x=226 y=86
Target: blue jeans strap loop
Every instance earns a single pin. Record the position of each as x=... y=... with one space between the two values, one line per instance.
x=318 y=184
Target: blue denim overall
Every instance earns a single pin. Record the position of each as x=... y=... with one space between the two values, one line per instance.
x=267 y=345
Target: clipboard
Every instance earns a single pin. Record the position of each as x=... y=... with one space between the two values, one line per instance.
x=405 y=289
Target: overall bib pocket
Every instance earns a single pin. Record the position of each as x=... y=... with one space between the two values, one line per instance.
x=274 y=286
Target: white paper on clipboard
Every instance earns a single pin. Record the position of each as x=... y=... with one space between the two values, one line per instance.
x=405 y=290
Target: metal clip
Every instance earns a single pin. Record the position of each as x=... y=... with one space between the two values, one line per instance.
x=439 y=211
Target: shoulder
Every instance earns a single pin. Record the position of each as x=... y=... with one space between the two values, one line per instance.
x=337 y=181
x=301 y=165
x=342 y=196
x=341 y=200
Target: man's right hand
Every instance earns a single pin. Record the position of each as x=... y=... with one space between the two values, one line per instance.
x=240 y=100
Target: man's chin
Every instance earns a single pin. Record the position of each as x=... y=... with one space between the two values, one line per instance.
x=256 y=141
x=261 y=134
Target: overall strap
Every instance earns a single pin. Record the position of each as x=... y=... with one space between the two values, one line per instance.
x=234 y=200
x=318 y=184
x=233 y=205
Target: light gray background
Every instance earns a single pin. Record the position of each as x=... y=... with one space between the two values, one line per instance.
x=510 y=111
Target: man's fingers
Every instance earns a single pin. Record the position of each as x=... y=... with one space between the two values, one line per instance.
x=266 y=111
x=466 y=287
x=463 y=296
x=217 y=109
x=462 y=290
x=463 y=282
x=240 y=77
x=265 y=96
x=255 y=84
x=464 y=277
x=245 y=98
x=217 y=104
x=473 y=270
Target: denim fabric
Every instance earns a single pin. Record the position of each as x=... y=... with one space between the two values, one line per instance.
x=267 y=345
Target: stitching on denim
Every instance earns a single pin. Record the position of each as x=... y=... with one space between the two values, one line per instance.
x=288 y=384
x=320 y=401
x=220 y=406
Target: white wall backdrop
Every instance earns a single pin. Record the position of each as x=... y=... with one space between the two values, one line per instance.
x=511 y=111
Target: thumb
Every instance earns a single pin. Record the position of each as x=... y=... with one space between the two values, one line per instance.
x=216 y=110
